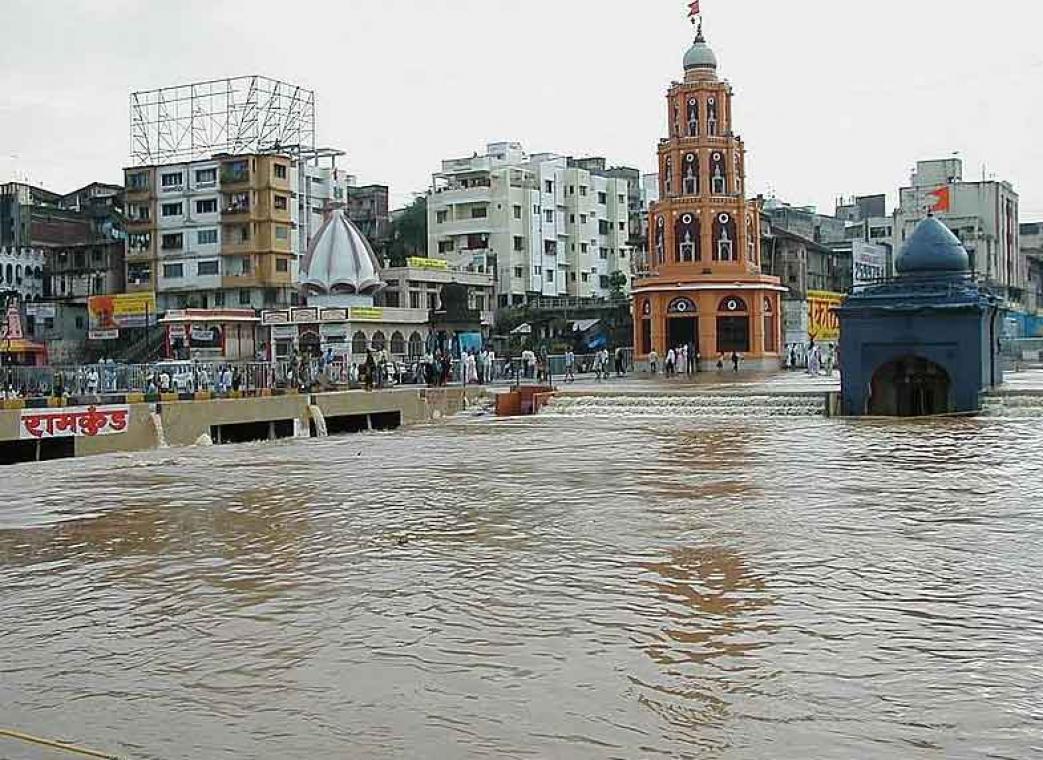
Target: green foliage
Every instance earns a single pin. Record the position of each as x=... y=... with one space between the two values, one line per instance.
x=616 y=282
x=408 y=234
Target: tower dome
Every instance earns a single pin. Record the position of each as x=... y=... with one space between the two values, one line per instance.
x=699 y=56
x=932 y=249
x=340 y=260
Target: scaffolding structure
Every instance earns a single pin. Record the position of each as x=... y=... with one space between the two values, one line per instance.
x=248 y=114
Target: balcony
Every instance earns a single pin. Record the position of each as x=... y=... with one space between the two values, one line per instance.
x=461 y=195
x=235 y=174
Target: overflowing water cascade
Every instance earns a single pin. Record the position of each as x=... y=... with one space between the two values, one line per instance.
x=1027 y=406
x=161 y=437
x=695 y=405
x=321 y=431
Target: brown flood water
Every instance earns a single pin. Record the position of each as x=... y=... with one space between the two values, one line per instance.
x=543 y=588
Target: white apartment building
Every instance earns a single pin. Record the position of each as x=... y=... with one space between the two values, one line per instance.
x=984 y=215
x=544 y=225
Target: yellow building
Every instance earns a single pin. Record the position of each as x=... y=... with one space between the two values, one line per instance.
x=215 y=233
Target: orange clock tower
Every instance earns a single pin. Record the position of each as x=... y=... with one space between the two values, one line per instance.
x=704 y=287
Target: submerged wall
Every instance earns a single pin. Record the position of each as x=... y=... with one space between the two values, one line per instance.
x=183 y=422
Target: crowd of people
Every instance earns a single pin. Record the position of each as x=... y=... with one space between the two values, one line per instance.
x=812 y=358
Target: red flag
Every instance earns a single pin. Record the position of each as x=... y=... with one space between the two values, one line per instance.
x=940 y=199
x=693 y=9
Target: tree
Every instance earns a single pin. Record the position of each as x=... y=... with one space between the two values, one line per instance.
x=617 y=281
x=408 y=233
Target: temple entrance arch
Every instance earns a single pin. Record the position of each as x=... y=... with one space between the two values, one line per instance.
x=910 y=387
x=682 y=321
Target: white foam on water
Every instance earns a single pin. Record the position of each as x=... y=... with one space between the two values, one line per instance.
x=321 y=431
x=161 y=437
x=695 y=405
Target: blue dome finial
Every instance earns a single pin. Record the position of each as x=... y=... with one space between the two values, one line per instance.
x=932 y=249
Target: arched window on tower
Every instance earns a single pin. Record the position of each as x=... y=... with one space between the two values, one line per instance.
x=675 y=122
x=736 y=173
x=691 y=174
x=686 y=233
x=724 y=238
x=660 y=240
x=693 y=117
x=711 y=117
x=668 y=177
x=751 y=241
x=718 y=174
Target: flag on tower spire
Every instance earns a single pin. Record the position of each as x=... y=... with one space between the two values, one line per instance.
x=693 y=10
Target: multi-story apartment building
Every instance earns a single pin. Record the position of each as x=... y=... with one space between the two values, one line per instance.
x=543 y=224
x=983 y=215
x=367 y=207
x=213 y=233
x=1031 y=234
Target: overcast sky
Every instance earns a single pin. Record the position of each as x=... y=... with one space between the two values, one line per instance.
x=833 y=97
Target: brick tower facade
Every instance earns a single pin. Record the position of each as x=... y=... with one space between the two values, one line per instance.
x=704 y=287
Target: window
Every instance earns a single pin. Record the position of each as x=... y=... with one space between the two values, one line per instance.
x=479 y=212
x=237 y=202
x=282 y=265
x=282 y=203
x=206 y=237
x=137 y=181
x=172 y=180
x=173 y=241
x=173 y=271
x=550 y=248
x=549 y=216
x=586 y=277
x=441 y=216
x=243 y=232
x=207 y=267
x=572 y=276
x=602 y=198
x=139 y=212
x=535 y=210
x=572 y=218
x=282 y=232
x=583 y=247
x=537 y=270
x=622 y=199
x=206 y=206
x=247 y=264
x=582 y=218
x=583 y=190
x=548 y=186
x=235 y=171
x=414 y=300
x=603 y=253
x=206 y=176
x=219 y=298
x=572 y=189
x=279 y=170
x=172 y=209
x=139 y=273
x=445 y=246
x=519 y=243
x=517 y=212
x=244 y=297
x=603 y=282
x=622 y=226
x=604 y=227
x=518 y=272
x=550 y=275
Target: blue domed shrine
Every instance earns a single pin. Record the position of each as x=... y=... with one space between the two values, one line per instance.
x=925 y=342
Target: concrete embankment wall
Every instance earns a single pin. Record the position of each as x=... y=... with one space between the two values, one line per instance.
x=183 y=422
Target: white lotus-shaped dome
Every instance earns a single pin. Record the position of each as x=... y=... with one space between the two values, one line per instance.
x=340 y=260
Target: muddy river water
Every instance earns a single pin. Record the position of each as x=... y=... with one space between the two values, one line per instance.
x=540 y=588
